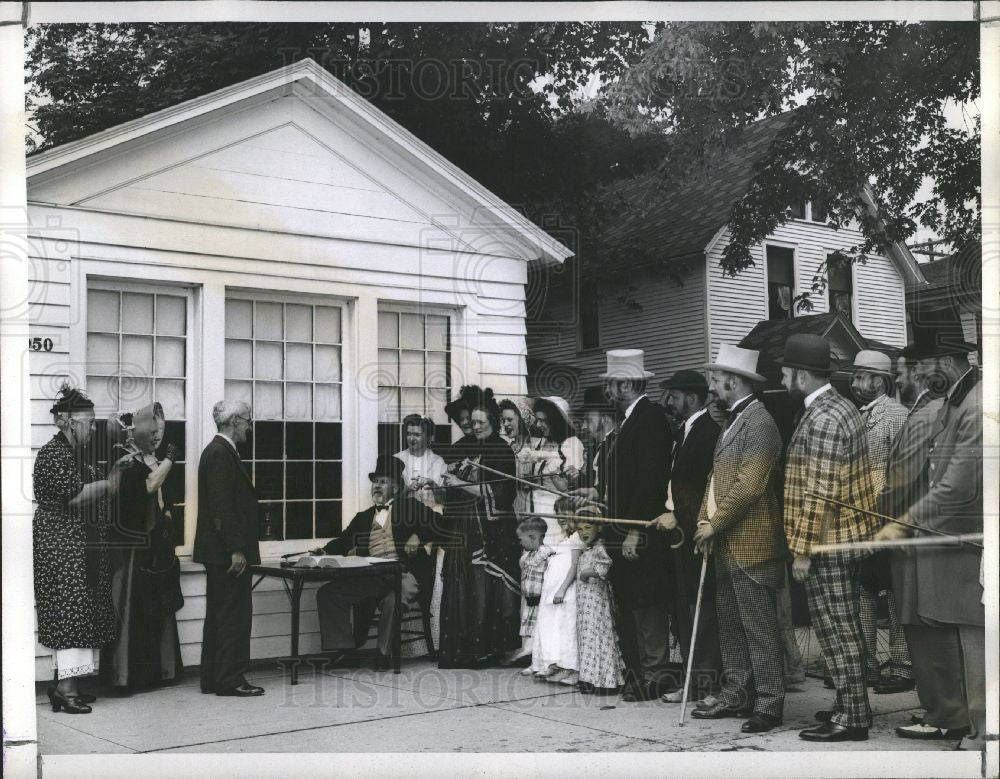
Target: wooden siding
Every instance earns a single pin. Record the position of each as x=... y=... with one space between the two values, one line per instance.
x=737 y=304
x=670 y=328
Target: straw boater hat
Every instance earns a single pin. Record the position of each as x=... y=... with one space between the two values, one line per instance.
x=626 y=364
x=873 y=362
x=733 y=359
x=561 y=406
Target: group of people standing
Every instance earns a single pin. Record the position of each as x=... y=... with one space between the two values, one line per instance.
x=573 y=542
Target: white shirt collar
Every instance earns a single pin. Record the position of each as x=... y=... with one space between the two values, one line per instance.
x=734 y=405
x=382 y=513
x=689 y=422
x=628 y=411
x=230 y=440
x=816 y=393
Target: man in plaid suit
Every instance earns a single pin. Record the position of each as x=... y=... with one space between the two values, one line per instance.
x=883 y=418
x=827 y=457
x=741 y=517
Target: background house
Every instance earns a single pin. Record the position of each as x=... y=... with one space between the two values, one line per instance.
x=279 y=241
x=681 y=311
x=953 y=294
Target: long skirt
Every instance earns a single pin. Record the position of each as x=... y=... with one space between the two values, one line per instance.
x=480 y=614
x=147 y=652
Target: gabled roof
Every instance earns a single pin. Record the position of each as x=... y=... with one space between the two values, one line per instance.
x=685 y=221
x=959 y=275
x=510 y=227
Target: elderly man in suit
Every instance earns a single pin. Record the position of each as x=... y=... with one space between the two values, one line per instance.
x=828 y=458
x=741 y=518
x=686 y=402
x=939 y=590
x=394 y=527
x=632 y=483
x=225 y=543
x=882 y=417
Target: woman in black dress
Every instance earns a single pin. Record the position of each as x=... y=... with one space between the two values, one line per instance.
x=481 y=602
x=69 y=533
x=146 y=580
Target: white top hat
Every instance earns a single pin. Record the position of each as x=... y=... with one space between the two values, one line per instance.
x=870 y=360
x=733 y=359
x=626 y=364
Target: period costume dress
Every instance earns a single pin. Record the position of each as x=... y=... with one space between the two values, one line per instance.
x=72 y=575
x=551 y=459
x=481 y=595
x=599 y=658
x=146 y=585
x=427 y=466
x=554 y=639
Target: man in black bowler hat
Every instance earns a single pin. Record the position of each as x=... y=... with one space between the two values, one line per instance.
x=395 y=527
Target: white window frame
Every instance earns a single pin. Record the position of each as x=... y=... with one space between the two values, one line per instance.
x=795 y=273
x=272 y=549
x=192 y=380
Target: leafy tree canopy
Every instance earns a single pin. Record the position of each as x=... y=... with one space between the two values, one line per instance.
x=870 y=104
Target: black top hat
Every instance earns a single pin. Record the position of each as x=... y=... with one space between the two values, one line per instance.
x=387 y=465
x=807 y=352
x=691 y=381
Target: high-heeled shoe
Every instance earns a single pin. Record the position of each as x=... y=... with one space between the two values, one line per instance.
x=69 y=705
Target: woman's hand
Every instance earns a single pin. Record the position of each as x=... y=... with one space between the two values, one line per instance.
x=170 y=453
x=559 y=596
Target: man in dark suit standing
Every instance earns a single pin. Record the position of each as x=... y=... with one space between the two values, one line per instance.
x=940 y=591
x=740 y=519
x=686 y=399
x=633 y=485
x=395 y=527
x=226 y=544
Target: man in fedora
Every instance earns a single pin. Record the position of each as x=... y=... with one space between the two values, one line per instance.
x=686 y=400
x=395 y=527
x=939 y=590
x=827 y=457
x=740 y=523
x=882 y=417
x=632 y=483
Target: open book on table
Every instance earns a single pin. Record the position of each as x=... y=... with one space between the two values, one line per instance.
x=335 y=561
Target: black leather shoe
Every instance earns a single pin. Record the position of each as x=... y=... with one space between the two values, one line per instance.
x=243 y=691
x=889 y=685
x=62 y=702
x=760 y=723
x=930 y=733
x=823 y=715
x=830 y=731
x=380 y=662
x=719 y=711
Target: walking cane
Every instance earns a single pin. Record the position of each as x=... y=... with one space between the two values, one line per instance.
x=694 y=635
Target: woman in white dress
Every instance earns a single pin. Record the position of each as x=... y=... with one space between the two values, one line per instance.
x=422 y=478
x=558 y=459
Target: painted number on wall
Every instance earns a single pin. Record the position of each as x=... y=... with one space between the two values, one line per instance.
x=40 y=344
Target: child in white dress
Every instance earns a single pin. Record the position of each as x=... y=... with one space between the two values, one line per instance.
x=553 y=644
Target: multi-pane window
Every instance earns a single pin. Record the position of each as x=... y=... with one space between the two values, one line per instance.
x=137 y=354
x=780 y=282
x=284 y=359
x=414 y=373
x=839 y=286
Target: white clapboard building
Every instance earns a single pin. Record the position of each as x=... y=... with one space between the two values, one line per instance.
x=283 y=242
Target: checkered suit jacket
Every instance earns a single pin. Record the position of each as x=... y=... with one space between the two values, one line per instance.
x=828 y=456
x=746 y=464
x=883 y=418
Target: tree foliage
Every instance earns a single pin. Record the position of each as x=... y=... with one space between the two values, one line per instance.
x=870 y=102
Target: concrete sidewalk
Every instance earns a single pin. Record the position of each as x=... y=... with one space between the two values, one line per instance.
x=431 y=710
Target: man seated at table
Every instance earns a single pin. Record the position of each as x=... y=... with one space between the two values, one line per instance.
x=395 y=527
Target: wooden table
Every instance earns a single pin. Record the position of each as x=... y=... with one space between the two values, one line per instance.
x=294 y=580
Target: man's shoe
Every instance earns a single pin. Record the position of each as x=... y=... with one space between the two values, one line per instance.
x=823 y=715
x=889 y=685
x=760 y=723
x=719 y=711
x=243 y=691
x=930 y=733
x=380 y=662
x=830 y=731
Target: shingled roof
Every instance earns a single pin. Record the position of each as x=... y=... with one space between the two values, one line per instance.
x=683 y=221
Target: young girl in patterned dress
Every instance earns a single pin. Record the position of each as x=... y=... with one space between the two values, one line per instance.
x=534 y=561
x=599 y=658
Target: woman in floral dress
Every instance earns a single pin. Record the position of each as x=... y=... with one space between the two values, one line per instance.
x=69 y=531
